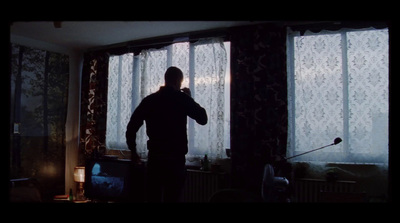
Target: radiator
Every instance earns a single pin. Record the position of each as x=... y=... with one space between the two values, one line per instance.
x=201 y=185
x=309 y=190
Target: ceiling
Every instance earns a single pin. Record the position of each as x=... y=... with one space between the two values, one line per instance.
x=81 y=35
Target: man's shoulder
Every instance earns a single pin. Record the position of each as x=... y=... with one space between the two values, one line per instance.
x=151 y=97
x=167 y=95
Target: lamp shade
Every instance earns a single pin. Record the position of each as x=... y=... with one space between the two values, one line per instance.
x=79 y=174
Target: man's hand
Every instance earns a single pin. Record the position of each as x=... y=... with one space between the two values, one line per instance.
x=135 y=158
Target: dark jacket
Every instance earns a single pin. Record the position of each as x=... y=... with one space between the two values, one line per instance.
x=165 y=113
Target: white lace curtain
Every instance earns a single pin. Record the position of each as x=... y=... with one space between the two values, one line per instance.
x=338 y=87
x=132 y=77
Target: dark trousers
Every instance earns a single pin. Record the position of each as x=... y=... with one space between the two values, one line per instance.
x=165 y=179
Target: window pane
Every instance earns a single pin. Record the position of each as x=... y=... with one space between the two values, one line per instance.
x=209 y=79
x=227 y=93
x=368 y=92
x=203 y=63
x=180 y=58
x=154 y=65
x=119 y=99
x=318 y=91
x=340 y=90
x=112 y=102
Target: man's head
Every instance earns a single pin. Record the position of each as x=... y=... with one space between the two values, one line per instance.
x=173 y=77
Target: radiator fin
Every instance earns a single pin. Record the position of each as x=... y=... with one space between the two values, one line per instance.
x=201 y=185
x=308 y=190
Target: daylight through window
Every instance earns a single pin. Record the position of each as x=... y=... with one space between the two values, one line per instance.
x=338 y=87
x=205 y=65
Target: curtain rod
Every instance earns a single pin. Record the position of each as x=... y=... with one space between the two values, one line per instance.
x=176 y=40
x=336 y=25
x=164 y=40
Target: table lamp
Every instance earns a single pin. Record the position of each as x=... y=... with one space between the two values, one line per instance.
x=79 y=177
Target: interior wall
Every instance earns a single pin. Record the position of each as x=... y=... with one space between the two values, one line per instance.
x=72 y=123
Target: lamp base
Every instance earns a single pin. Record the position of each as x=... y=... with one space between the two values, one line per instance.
x=80 y=195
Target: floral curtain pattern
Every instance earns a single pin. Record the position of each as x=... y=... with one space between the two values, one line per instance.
x=258 y=101
x=93 y=104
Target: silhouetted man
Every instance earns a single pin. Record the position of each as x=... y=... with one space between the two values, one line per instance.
x=165 y=113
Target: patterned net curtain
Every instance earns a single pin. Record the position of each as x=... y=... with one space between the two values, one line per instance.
x=339 y=88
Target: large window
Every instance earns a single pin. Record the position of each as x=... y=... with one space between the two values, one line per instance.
x=205 y=65
x=338 y=87
x=38 y=111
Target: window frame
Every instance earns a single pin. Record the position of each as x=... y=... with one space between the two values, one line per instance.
x=190 y=123
x=348 y=157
